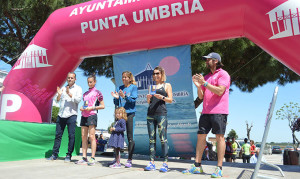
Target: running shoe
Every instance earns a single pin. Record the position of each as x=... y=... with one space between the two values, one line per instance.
x=193 y=170
x=164 y=168
x=91 y=162
x=150 y=167
x=128 y=164
x=218 y=173
x=83 y=161
x=112 y=162
x=68 y=159
x=53 y=157
x=115 y=165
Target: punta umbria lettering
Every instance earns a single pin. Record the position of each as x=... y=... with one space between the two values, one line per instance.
x=145 y=15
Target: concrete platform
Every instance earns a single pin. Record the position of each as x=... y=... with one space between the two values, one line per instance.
x=42 y=169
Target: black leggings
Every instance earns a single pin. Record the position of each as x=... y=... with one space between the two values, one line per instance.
x=129 y=131
x=246 y=158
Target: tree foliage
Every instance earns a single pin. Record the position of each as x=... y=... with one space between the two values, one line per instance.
x=290 y=112
x=54 y=114
x=102 y=66
x=21 y=20
x=248 y=65
x=232 y=133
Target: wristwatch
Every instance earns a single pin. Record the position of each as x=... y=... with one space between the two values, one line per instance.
x=163 y=98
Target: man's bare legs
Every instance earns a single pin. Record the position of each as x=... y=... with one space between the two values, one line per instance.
x=220 y=148
x=201 y=143
x=196 y=168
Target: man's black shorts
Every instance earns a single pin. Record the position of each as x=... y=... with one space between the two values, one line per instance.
x=89 y=121
x=216 y=122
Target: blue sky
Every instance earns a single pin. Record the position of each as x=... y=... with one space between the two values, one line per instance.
x=251 y=107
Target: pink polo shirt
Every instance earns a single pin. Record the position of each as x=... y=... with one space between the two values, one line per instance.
x=92 y=95
x=212 y=103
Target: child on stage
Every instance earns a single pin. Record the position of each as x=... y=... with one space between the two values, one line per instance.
x=116 y=139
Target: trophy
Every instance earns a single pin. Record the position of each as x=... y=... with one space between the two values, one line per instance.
x=152 y=89
x=85 y=104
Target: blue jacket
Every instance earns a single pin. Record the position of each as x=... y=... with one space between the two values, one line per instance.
x=128 y=102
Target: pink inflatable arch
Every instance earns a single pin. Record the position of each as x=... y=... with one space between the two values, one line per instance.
x=106 y=27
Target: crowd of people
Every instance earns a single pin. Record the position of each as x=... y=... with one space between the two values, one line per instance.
x=212 y=90
x=248 y=151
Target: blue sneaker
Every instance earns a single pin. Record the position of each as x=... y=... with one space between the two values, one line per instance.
x=53 y=157
x=218 y=173
x=150 y=167
x=68 y=159
x=164 y=168
x=193 y=170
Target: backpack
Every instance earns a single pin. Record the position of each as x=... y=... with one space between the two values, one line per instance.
x=228 y=149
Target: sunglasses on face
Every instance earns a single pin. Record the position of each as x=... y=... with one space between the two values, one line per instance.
x=156 y=73
x=211 y=59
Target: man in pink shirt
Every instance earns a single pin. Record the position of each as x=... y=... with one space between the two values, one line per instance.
x=214 y=90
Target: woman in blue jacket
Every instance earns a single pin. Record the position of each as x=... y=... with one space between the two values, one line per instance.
x=126 y=96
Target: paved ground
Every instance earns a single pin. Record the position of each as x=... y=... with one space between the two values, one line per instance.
x=42 y=169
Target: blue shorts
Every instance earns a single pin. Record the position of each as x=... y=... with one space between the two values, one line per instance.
x=216 y=122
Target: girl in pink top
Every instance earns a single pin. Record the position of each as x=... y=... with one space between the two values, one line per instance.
x=93 y=101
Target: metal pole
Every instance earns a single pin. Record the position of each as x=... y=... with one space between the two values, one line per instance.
x=274 y=166
x=264 y=139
